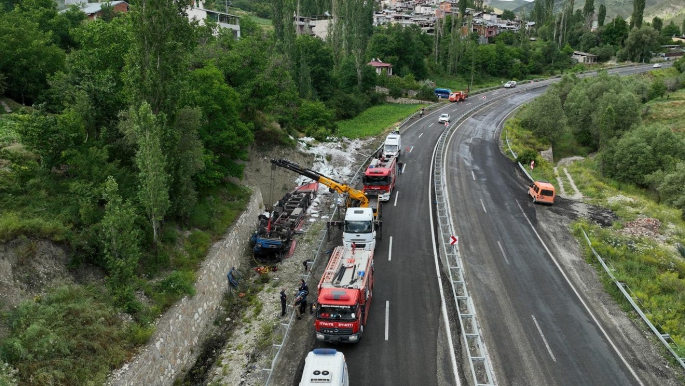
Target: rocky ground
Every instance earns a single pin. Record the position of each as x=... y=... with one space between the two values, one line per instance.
x=250 y=348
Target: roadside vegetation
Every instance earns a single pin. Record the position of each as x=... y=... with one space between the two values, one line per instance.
x=630 y=131
x=374 y=120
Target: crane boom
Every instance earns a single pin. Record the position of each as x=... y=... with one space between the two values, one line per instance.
x=354 y=194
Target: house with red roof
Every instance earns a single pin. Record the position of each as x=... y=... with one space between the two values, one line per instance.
x=380 y=66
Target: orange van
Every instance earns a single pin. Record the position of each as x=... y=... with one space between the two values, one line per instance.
x=542 y=191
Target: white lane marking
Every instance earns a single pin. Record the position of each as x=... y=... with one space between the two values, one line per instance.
x=420 y=135
x=411 y=149
x=543 y=339
x=396 y=195
x=473 y=175
x=390 y=249
x=387 y=318
x=483 y=205
x=575 y=291
x=503 y=254
x=431 y=124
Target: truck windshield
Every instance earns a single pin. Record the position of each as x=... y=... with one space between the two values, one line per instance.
x=392 y=149
x=376 y=180
x=358 y=226
x=336 y=312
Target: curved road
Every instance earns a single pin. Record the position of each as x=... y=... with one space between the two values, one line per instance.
x=536 y=329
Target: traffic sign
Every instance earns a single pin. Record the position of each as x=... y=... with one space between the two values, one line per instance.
x=454 y=240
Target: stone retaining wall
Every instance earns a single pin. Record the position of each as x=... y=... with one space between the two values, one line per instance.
x=174 y=345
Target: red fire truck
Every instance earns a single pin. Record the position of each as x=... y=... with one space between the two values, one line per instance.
x=379 y=178
x=344 y=296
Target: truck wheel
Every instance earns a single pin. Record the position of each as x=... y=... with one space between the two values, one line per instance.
x=534 y=200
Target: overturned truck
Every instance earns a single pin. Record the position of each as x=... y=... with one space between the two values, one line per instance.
x=273 y=238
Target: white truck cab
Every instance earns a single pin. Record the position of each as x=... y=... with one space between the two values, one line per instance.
x=393 y=145
x=359 y=229
x=325 y=366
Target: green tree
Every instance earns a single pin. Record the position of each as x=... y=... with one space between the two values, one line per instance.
x=588 y=11
x=315 y=119
x=638 y=11
x=625 y=114
x=157 y=61
x=643 y=151
x=658 y=89
x=224 y=136
x=508 y=15
x=144 y=129
x=28 y=56
x=672 y=188
x=657 y=23
x=670 y=30
x=545 y=117
x=189 y=161
x=317 y=58
x=640 y=45
x=615 y=32
x=91 y=81
x=588 y=41
x=601 y=15
x=121 y=240
x=49 y=136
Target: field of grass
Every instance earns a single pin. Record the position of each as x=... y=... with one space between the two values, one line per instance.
x=375 y=120
x=652 y=267
x=669 y=111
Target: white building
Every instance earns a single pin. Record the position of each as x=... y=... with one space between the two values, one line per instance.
x=196 y=11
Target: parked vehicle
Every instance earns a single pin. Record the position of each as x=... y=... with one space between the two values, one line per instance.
x=442 y=92
x=656 y=65
x=510 y=84
x=325 y=366
x=380 y=177
x=362 y=223
x=444 y=118
x=345 y=292
x=392 y=147
x=458 y=96
x=542 y=191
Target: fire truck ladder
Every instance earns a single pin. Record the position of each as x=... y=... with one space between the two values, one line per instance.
x=330 y=274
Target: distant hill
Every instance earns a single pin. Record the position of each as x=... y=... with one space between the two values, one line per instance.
x=665 y=9
x=507 y=4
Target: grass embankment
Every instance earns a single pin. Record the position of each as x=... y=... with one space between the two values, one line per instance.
x=76 y=334
x=652 y=267
x=375 y=120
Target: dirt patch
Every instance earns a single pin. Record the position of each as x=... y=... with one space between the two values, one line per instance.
x=250 y=349
x=28 y=268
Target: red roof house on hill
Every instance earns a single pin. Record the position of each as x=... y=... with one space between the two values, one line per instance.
x=380 y=66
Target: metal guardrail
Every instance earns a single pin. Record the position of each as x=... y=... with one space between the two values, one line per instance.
x=481 y=373
x=480 y=365
x=623 y=287
x=317 y=251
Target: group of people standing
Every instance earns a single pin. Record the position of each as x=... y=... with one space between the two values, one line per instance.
x=300 y=304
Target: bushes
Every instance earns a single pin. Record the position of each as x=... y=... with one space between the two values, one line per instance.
x=12 y=226
x=71 y=336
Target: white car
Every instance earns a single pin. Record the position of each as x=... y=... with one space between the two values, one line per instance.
x=656 y=65
x=444 y=118
x=510 y=84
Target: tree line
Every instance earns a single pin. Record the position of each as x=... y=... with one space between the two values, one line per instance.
x=603 y=114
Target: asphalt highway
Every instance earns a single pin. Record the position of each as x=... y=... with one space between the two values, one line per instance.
x=536 y=328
